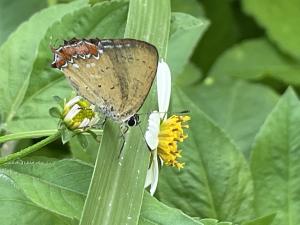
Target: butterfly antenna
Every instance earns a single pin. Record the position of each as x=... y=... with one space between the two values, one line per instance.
x=165 y=113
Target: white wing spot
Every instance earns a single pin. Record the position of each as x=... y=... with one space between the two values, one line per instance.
x=76 y=66
x=97 y=56
x=108 y=46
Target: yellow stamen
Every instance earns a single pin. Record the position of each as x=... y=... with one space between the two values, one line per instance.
x=85 y=112
x=171 y=132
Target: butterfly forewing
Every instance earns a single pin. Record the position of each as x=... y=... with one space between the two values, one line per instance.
x=118 y=79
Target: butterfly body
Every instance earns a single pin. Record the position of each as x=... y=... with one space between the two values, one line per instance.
x=113 y=74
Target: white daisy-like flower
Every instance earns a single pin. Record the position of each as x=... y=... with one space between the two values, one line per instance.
x=79 y=114
x=163 y=134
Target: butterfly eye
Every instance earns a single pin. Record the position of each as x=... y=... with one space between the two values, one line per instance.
x=133 y=121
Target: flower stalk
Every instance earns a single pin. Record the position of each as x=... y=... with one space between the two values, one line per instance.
x=30 y=149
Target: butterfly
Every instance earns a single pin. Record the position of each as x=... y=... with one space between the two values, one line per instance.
x=113 y=74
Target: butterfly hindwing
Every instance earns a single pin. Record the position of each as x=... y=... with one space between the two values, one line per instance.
x=118 y=79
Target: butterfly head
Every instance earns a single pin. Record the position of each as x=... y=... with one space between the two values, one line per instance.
x=133 y=120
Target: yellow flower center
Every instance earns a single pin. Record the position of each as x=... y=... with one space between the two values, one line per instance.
x=171 y=132
x=85 y=112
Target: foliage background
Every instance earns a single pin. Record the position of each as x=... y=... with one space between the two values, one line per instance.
x=232 y=62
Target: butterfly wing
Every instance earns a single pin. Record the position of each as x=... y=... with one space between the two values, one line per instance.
x=119 y=80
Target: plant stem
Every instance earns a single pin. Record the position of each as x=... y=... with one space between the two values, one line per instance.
x=30 y=149
x=25 y=135
x=35 y=134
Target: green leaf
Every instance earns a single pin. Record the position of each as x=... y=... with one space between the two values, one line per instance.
x=69 y=174
x=256 y=59
x=190 y=76
x=185 y=32
x=192 y=7
x=87 y=154
x=66 y=135
x=281 y=21
x=83 y=141
x=153 y=32
x=55 y=112
x=123 y=173
x=221 y=33
x=275 y=162
x=52 y=192
x=238 y=107
x=59 y=100
x=214 y=222
x=216 y=181
x=156 y=213
x=209 y=221
x=265 y=220
x=93 y=2
x=49 y=196
x=15 y=12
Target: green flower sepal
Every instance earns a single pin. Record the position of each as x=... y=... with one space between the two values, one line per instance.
x=75 y=117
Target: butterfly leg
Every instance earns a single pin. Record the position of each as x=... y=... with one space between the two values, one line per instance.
x=123 y=128
x=102 y=122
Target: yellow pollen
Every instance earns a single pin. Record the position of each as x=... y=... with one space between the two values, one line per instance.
x=171 y=132
x=85 y=112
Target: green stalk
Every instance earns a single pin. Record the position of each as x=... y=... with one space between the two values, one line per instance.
x=36 y=134
x=27 y=135
x=116 y=190
x=30 y=149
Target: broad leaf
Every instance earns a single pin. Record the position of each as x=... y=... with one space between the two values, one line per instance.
x=15 y=12
x=275 y=162
x=216 y=181
x=46 y=192
x=156 y=213
x=214 y=222
x=185 y=32
x=221 y=33
x=238 y=107
x=265 y=220
x=87 y=154
x=61 y=191
x=281 y=21
x=192 y=7
x=257 y=59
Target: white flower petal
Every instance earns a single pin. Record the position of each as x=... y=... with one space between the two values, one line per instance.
x=149 y=176
x=73 y=112
x=94 y=120
x=151 y=135
x=163 y=77
x=84 y=123
x=152 y=174
x=155 y=174
x=73 y=101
